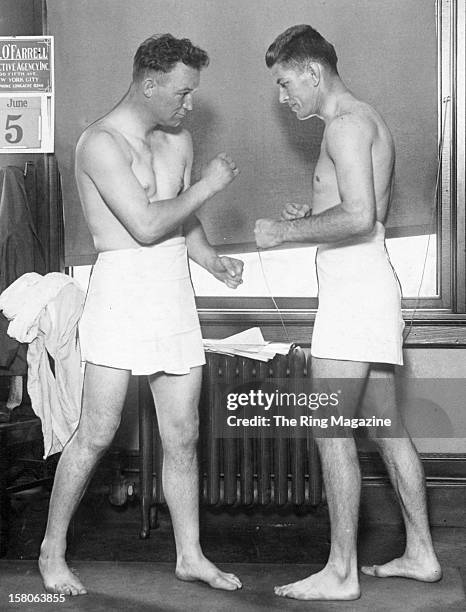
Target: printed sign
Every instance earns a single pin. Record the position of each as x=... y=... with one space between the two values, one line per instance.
x=25 y=64
x=26 y=94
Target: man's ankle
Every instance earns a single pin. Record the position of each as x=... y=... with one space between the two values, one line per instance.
x=344 y=569
x=193 y=555
x=51 y=550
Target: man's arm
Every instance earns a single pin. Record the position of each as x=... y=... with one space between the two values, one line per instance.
x=226 y=269
x=349 y=145
x=101 y=158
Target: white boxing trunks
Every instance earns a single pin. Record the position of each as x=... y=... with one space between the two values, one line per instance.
x=140 y=313
x=359 y=316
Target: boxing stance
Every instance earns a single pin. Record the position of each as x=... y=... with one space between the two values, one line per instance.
x=358 y=327
x=133 y=172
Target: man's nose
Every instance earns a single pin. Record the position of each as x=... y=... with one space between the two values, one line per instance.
x=283 y=96
x=188 y=102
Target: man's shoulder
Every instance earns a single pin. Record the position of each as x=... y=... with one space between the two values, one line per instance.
x=97 y=132
x=359 y=117
x=99 y=138
x=352 y=127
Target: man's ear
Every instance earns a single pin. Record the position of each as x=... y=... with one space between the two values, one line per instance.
x=314 y=70
x=148 y=86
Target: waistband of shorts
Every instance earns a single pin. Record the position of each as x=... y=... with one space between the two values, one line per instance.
x=375 y=237
x=166 y=248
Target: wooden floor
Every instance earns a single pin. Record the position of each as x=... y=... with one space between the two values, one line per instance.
x=152 y=586
x=265 y=548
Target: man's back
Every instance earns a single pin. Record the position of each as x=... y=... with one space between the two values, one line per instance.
x=354 y=117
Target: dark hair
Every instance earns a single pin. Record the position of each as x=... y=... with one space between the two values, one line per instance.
x=161 y=52
x=301 y=44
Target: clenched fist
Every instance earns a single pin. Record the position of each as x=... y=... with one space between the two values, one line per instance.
x=228 y=270
x=268 y=233
x=219 y=172
x=294 y=211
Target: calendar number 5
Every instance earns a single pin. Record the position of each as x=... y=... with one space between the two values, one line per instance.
x=18 y=135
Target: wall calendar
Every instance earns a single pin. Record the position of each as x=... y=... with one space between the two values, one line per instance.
x=27 y=94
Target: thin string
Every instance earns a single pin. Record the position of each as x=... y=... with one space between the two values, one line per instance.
x=437 y=181
x=272 y=297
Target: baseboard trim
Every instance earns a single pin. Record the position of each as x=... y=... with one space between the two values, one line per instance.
x=445 y=481
x=446 y=490
x=441 y=469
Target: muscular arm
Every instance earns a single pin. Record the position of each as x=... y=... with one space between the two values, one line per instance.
x=199 y=248
x=349 y=147
x=225 y=269
x=102 y=160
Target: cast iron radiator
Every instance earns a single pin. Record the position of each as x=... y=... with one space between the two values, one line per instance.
x=241 y=471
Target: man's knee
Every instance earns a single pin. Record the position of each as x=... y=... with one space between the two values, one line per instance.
x=99 y=438
x=180 y=436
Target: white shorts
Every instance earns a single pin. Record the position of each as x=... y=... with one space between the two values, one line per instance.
x=140 y=313
x=359 y=316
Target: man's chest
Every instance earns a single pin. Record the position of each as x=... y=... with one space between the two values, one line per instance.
x=160 y=171
x=325 y=192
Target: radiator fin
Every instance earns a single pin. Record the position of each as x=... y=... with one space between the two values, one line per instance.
x=244 y=471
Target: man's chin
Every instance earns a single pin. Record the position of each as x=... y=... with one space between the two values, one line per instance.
x=302 y=117
x=300 y=113
x=173 y=123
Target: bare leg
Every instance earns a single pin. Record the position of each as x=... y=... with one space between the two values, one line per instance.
x=176 y=399
x=103 y=397
x=407 y=477
x=339 y=578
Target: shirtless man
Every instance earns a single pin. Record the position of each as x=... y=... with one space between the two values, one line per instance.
x=133 y=172
x=359 y=321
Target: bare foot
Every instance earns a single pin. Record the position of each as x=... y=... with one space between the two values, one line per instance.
x=326 y=584
x=58 y=578
x=203 y=569
x=425 y=569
